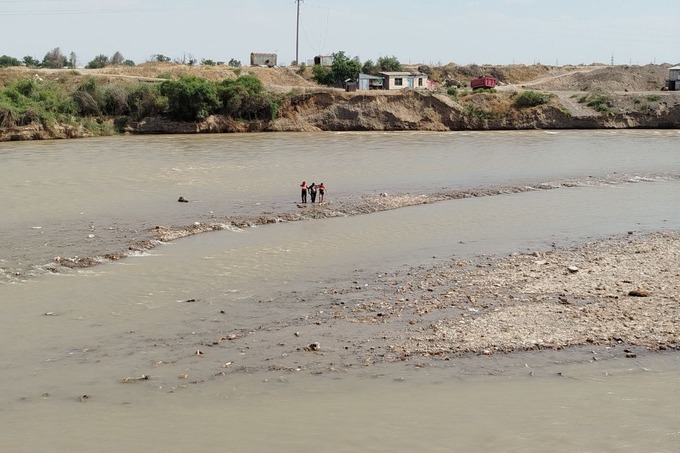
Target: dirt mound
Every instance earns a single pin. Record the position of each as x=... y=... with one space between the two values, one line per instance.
x=278 y=77
x=607 y=78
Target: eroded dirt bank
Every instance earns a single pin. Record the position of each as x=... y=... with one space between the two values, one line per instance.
x=410 y=110
x=583 y=97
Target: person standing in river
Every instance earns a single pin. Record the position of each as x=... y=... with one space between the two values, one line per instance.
x=322 y=192
x=303 y=191
x=312 y=191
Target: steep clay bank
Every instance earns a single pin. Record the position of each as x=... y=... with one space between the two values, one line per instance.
x=628 y=96
x=410 y=110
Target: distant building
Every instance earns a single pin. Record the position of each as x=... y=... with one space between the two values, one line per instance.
x=263 y=59
x=401 y=80
x=323 y=60
x=673 y=82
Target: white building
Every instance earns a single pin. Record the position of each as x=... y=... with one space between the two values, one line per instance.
x=401 y=80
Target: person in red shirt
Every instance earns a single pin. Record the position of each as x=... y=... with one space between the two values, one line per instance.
x=322 y=192
x=303 y=187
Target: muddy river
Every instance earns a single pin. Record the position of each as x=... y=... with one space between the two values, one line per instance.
x=78 y=344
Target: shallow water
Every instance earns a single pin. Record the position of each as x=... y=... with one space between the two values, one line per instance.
x=72 y=334
x=87 y=197
x=630 y=407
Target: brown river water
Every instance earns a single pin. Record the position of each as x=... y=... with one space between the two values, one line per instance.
x=68 y=337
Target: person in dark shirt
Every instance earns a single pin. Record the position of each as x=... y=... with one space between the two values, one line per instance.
x=312 y=191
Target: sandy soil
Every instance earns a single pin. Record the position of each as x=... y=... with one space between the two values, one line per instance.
x=618 y=297
x=619 y=291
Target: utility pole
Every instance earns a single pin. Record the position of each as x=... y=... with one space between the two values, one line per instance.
x=297 y=35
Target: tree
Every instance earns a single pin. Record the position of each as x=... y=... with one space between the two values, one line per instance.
x=190 y=98
x=29 y=61
x=208 y=62
x=100 y=61
x=342 y=69
x=54 y=59
x=6 y=61
x=186 y=59
x=234 y=63
x=128 y=63
x=245 y=97
x=160 y=58
x=72 y=60
x=389 y=64
x=117 y=59
x=369 y=67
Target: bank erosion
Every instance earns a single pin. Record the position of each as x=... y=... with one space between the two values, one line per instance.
x=99 y=102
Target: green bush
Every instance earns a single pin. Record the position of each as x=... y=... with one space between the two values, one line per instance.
x=452 y=91
x=92 y=102
x=144 y=100
x=479 y=113
x=245 y=97
x=27 y=101
x=531 y=99
x=653 y=98
x=599 y=102
x=190 y=98
x=322 y=75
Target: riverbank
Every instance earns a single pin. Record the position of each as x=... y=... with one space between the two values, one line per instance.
x=587 y=97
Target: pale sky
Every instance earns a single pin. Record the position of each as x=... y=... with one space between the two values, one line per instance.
x=552 y=32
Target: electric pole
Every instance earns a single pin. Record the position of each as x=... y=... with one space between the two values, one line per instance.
x=297 y=35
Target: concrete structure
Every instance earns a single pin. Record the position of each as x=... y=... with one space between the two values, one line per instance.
x=401 y=80
x=323 y=60
x=673 y=82
x=263 y=59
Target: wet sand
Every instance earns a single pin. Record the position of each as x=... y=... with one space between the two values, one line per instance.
x=617 y=297
x=613 y=298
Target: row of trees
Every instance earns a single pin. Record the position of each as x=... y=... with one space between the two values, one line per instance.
x=344 y=68
x=55 y=59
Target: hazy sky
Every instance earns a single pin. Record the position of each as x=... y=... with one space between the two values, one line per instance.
x=415 y=31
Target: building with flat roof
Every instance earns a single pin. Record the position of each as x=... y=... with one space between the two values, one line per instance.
x=673 y=82
x=401 y=80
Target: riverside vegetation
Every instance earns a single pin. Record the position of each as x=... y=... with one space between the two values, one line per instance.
x=174 y=98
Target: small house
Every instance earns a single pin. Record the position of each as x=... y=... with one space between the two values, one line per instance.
x=370 y=82
x=400 y=80
x=263 y=59
x=673 y=82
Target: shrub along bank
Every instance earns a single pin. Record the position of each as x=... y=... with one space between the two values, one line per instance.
x=92 y=102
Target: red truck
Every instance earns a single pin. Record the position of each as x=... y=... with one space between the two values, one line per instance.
x=483 y=82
